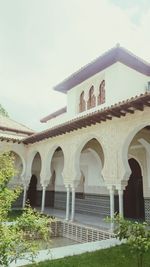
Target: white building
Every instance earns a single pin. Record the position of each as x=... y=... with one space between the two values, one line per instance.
x=94 y=157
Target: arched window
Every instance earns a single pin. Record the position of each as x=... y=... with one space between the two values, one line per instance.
x=92 y=99
x=82 y=103
x=101 y=96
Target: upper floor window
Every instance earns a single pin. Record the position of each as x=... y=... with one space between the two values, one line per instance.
x=82 y=103
x=101 y=96
x=92 y=99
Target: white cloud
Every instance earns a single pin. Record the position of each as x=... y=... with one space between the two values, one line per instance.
x=42 y=42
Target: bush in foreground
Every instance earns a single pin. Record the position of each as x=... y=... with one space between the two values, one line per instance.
x=16 y=237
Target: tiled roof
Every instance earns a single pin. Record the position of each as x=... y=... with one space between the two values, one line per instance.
x=9 y=138
x=7 y=124
x=117 y=110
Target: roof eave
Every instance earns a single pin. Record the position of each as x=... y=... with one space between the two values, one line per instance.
x=116 y=54
x=3 y=128
x=117 y=110
x=54 y=114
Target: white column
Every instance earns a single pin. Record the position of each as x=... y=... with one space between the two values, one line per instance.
x=112 y=206
x=73 y=204
x=24 y=196
x=43 y=199
x=67 y=202
x=120 y=193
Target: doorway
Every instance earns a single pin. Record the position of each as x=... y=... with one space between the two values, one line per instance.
x=32 y=191
x=133 y=195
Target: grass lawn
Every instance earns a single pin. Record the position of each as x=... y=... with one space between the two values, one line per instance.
x=118 y=256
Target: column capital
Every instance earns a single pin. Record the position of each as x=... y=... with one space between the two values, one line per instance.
x=44 y=181
x=74 y=183
x=67 y=185
x=25 y=181
x=121 y=185
x=43 y=187
x=111 y=187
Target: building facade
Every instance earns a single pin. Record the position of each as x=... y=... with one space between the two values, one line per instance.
x=94 y=156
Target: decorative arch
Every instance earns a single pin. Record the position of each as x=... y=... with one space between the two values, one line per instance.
x=79 y=149
x=32 y=191
x=30 y=159
x=82 y=105
x=97 y=163
x=133 y=194
x=87 y=139
x=55 y=148
x=125 y=147
x=92 y=99
x=52 y=150
x=48 y=158
x=101 y=96
x=96 y=156
x=130 y=156
x=33 y=154
x=22 y=159
x=34 y=160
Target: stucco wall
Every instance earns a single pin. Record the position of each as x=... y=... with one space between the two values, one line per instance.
x=121 y=83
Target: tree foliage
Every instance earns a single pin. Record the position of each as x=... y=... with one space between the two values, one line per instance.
x=3 y=112
x=137 y=236
x=16 y=238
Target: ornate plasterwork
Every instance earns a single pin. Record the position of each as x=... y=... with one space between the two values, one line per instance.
x=114 y=137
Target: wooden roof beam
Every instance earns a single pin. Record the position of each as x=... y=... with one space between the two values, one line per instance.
x=71 y=127
x=114 y=113
x=102 y=118
x=59 y=131
x=108 y=117
x=128 y=110
x=77 y=126
x=147 y=104
x=86 y=122
x=95 y=120
x=122 y=112
x=92 y=121
x=138 y=106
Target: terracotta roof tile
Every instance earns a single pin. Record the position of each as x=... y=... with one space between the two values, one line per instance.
x=116 y=110
x=7 y=124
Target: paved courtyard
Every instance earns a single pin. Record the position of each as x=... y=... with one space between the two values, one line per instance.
x=86 y=219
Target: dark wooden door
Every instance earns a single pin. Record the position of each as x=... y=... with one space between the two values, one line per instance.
x=32 y=191
x=133 y=194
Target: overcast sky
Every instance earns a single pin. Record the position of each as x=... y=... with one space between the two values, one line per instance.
x=44 y=41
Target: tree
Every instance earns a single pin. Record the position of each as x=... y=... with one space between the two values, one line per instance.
x=15 y=238
x=3 y=112
x=137 y=236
